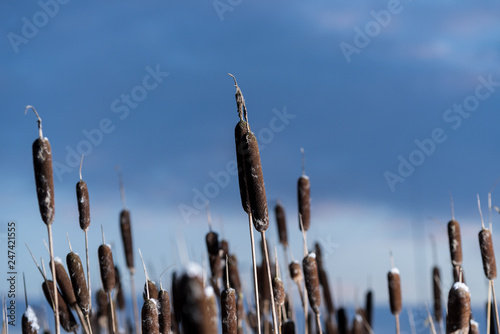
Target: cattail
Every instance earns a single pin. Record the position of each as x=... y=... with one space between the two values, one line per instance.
x=82 y=195
x=224 y=248
x=44 y=177
x=327 y=295
x=342 y=321
x=436 y=280
x=153 y=290
x=474 y=327
x=295 y=272
x=164 y=320
x=102 y=303
x=357 y=324
x=304 y=196
x=192 y=303
x=126 y=231
x=120 y=297
x=288 y=327
x=279 y=292
x=212 y=242
x=77 y=276
x=281 y=222
x=149 y=316
x=29 y=322
x=240 y=132
x=211 y=303
x=107 y=267
x=487 y=254
x=66 y=318
x=177 y=299
x=64 y=283
x=394 y=291
x=455 y=241
x=312 y=281
x=457 y=319
x=369 y=307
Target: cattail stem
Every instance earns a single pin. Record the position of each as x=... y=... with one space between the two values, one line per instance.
x=488 y=312
x=53 y=269
x=88 y=268
x=255 y=280
x=397 y=323
x=270 y=280
x=495 y=302
x=318 y=324
x=112 y=311
x=134 y=302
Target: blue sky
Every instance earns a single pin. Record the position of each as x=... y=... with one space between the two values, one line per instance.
x=354 y=119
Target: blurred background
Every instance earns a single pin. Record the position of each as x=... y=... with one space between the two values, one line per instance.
x=395 y=103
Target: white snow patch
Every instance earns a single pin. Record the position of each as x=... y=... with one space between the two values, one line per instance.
x=460 y=286
x=31 y=316
x=395 y=271
x=194 y=270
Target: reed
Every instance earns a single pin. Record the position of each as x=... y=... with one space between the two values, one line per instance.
x=395 y=298
x=44 y=179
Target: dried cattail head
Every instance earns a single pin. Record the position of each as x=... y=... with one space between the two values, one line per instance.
x=288 y=327
x=102 y=303
x=304 y=201
x=149 y=317
x=487 y=254
x=255 y=183
x=342 y=321
x=153 y=290
x=29 y=322
x=457 y=319
x=474 y=327
x=211 y=304
x=281 y=222
x=357 y=324
x=279 y=292
x=66 y=318
x=319 y=255
x=252 y=320
x=224 y=248
x=264 y=292
x=212 y=241
x=77 y=276
x=455 y=241
x=190 y=301
x=176 y=300
x=120 y=297
x=165 y=317
x=295 y=271
x=312 y=281
x=395 y=300
x=44 y=177
x=436 y=281
x=327 y=294
x=240 y=133
x=82 y=196
x=126 y=230
x=64 y=282
x=369 y=307
x=107 y=268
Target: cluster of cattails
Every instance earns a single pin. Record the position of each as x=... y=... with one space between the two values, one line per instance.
x=218 y=303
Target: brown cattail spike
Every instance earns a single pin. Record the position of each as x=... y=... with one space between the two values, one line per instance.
x=107 y=268
x=29 y=322
x=164 y=312
x=149 y=316
x=281 y=222
x=457 y=319
x=455 y=242
x=67 y=319
x=304 y=196
x=436 y=282
x=64 y=283
x=311 y=276
x=120 y=296
x=153 y=290
x=486 y=246
x=44 y=178
x=82 y=196
x=77 y=276
x=394 y=291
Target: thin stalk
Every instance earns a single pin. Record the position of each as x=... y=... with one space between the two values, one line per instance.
x=318 y=324
x=134 y=301
x=495 y=302
x=488 y=312
x=54 y=279
x=270 y=280
x=397 y=323
x=88 y=268
x=255 y=281
x=112 y=310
